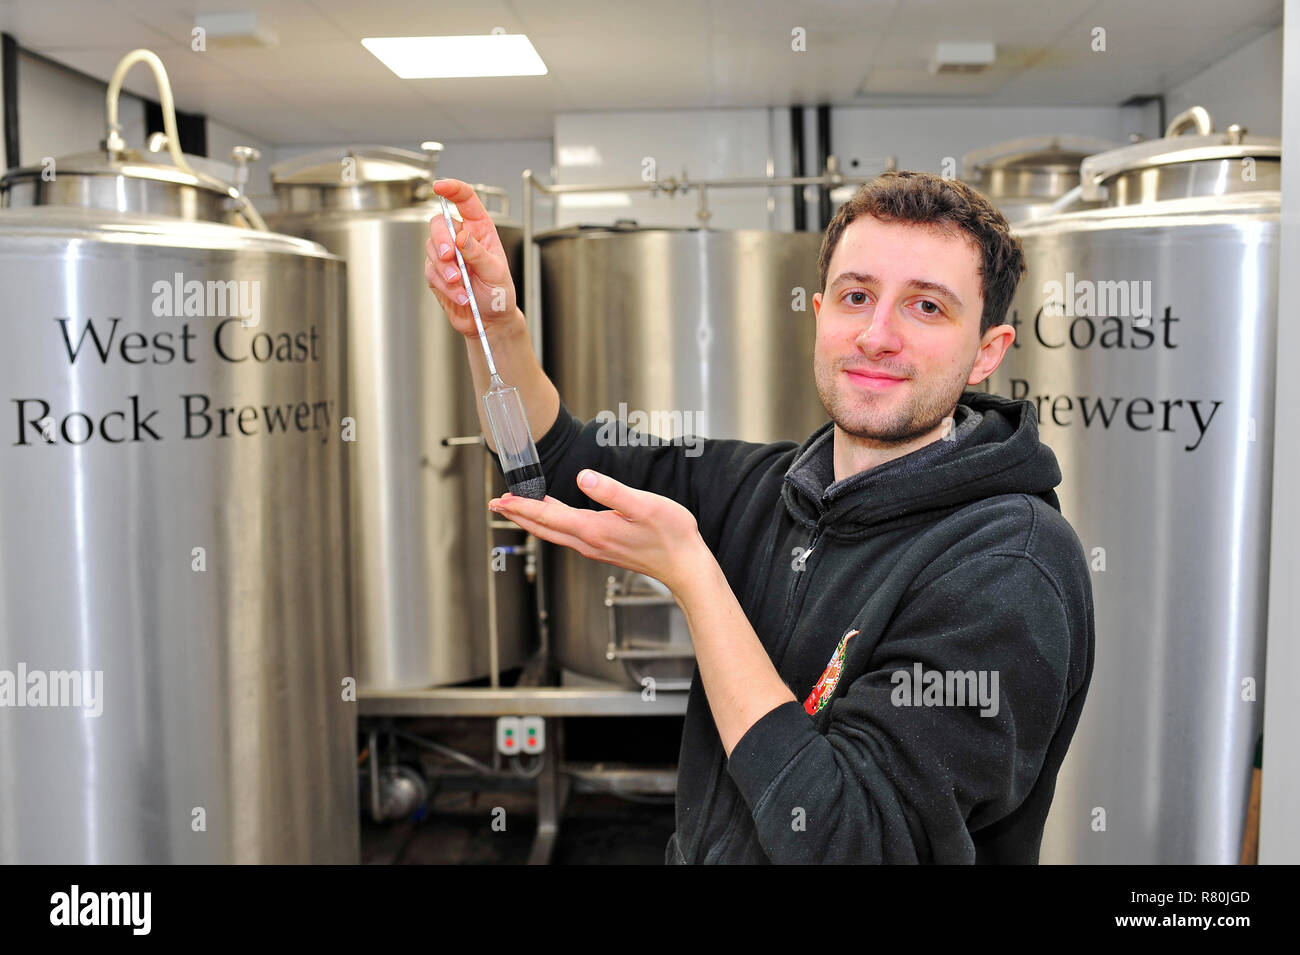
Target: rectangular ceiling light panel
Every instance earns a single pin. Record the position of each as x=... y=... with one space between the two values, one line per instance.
x=444 y=57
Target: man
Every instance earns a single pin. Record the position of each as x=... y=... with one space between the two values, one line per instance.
x=892 y=621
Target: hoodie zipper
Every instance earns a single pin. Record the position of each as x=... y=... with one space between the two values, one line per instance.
x=791 y=600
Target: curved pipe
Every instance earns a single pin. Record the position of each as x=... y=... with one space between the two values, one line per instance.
x=1197 y=118
x=116 y=144
x=149 y=58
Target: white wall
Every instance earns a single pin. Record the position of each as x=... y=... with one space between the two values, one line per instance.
x=611 y=147
x=1279 y=831
x=61 y=112
x=1244 y=87
x=922 y=137
x=614 y=147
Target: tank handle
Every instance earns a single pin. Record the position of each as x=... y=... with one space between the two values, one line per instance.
x=1197 y=118
x=115 y=145
x=1176 y=146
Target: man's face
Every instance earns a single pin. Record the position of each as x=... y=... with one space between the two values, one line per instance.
x=898 y=329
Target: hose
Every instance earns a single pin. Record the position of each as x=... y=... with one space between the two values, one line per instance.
x=116 y=144
x=150 y=59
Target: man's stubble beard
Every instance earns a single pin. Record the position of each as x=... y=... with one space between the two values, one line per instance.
x=922 y=410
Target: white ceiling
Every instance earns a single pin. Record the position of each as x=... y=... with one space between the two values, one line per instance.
x=319 y=85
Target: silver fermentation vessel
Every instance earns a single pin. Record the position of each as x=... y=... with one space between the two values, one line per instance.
x=1145 y=339
x=702 y=332
x=1023 y=177
x=174 y=645
x=420 y=547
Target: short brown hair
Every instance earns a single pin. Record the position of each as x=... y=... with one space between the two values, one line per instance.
x=926 y=199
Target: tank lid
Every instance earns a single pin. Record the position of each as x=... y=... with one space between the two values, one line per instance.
x=619 y=227
x=359 y=177
x=118 y=179
x=1054 y=153
x=1171 y=164
x=94 y=180
x=128 y=162
x=348 y=166
x=65 y=223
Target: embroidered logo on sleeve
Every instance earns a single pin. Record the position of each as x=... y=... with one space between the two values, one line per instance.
x=821 y=693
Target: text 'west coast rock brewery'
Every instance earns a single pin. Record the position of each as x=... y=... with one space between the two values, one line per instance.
x=232 y=313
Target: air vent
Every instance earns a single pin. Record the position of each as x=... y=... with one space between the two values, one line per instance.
x=962 y=58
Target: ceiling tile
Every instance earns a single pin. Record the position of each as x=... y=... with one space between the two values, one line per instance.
x=75 y=25
x=618 y=24
x=294 y=22
x=779 y=17
x=416 y=17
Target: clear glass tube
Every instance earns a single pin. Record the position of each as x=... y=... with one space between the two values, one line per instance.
x=514 y=440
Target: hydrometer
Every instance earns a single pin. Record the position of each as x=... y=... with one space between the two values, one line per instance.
x=505 y=409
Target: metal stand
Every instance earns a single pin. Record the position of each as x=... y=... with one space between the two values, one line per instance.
x=552 y=794
x=556 y=780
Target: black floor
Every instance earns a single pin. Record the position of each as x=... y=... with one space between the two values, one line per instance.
x=457 y=829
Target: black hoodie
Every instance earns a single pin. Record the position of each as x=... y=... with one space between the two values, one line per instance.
x=932 y=615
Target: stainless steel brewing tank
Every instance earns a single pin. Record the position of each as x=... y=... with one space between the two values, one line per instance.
x=1145 y=338
x=1023 y=177
x=708 y=333
x=420 y=552
x=171 y=536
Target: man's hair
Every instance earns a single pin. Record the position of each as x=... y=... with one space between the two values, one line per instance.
x=923 y=198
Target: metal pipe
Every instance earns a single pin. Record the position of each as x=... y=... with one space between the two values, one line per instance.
x=444 y=750
x=9 y=92
x=1197 y=118
x=376 y=810
x=520 y=701
x=502 y=194
x=530 y=282
x=823 y=165
x=533 y=298
x=796 y=167
x=543 y=615
x=494 y=654
x=771 y=168
x=672 y=185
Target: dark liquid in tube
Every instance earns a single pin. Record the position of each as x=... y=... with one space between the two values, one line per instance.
x=527 y=481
